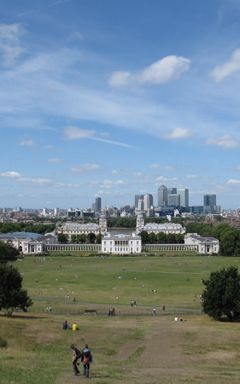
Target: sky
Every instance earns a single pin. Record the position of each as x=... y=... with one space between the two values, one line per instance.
x=115 y=98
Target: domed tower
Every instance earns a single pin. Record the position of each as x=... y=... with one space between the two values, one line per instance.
x=103 y=224
x=139 y=223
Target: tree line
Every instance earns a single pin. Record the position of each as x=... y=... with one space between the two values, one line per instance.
x=229 y=237
x=41 y=228
x=90 y=238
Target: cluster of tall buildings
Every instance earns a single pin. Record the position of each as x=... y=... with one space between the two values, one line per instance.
x=175 y=198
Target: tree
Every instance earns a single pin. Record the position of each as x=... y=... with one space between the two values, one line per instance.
x=221 y=296
x=8 y=252
x=12 y=296
x=99 y=238
x=145 y=237
x=62 y=238
x=91 y=238
x=81 y=238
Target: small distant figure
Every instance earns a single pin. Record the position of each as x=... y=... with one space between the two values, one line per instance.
x=132 y=303
x=65 y=325
x=154 y=311
x=74 y=300
x=74 y=326
x=76 y=355
x=86 y=360
x=111 y=312
x=163 y=307
x=135 y=303
x=176 y=318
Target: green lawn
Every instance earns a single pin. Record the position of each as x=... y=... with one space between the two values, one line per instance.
x=127 y=349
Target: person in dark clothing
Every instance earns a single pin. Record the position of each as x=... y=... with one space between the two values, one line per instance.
x=65 y=325
x=76 y=355
x=86 y=360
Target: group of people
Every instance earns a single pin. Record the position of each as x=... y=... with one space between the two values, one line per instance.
x=85 y=356
x=73 y=327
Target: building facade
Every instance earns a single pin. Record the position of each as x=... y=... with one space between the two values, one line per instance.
x=206 y=245
x=71 y=229
x=121 y=244
x=157 y=228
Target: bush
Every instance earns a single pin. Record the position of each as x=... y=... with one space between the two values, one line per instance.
x=3 y=343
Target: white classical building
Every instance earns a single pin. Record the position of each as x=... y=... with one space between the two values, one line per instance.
x=121 y=244
x=27 y=242
x=206 y=245
x=70 y=228
x=157 y=228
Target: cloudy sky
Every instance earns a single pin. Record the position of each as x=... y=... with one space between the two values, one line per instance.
x=114 y=98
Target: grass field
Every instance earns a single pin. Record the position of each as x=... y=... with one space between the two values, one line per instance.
x=132 y=347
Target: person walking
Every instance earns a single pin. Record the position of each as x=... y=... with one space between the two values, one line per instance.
x=86 y=360
x=76 y=355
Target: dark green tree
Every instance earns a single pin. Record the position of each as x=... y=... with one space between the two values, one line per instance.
x=230 y=242
x=99 y=238
x=12 y=296
x=91 y=238
x=81 y=239
x=8 y=252
x=221 y=296
x=62 y=238
x=145 y=237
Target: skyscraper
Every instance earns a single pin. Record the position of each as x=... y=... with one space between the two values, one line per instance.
x=138 y=197
x=98 y=204
x=209 y=203
x=183 y=197
x=162 y=196
x=147 y=201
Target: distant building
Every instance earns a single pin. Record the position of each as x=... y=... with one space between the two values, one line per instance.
x=162 y=196
x=71 y=229
x=147 y=201
x=158 y=228
x=183 y=197
x=121 y=244
x=173 y=200
x=98 y=204
x=210 y=204
x=27 y=242
x=206 y=245
x=136 y=199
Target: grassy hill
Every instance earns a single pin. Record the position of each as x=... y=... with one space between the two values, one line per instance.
x=132 y=347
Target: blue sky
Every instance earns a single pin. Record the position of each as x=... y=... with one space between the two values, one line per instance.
x=114 y=98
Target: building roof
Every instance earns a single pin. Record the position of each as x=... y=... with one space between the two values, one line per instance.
x=121 y=236
x=20 y=236
x=78 y=226
x=203 y=239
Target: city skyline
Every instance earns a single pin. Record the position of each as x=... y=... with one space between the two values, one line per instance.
x=113 y=99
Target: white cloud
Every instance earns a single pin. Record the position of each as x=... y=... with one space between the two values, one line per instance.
x=179 y=133
x=226 y=142
x=228 y=68
x=27 y=143
x=164 y=179
x=192 y=176
x=54 y=160
x=233 y=182
x=75 y=133
x=120 y=79
x=11 y=174
x=37 y=180
x=86 y=168
x=164 y=70
x=108 y=184
x=155 y=166
x=10 y=47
